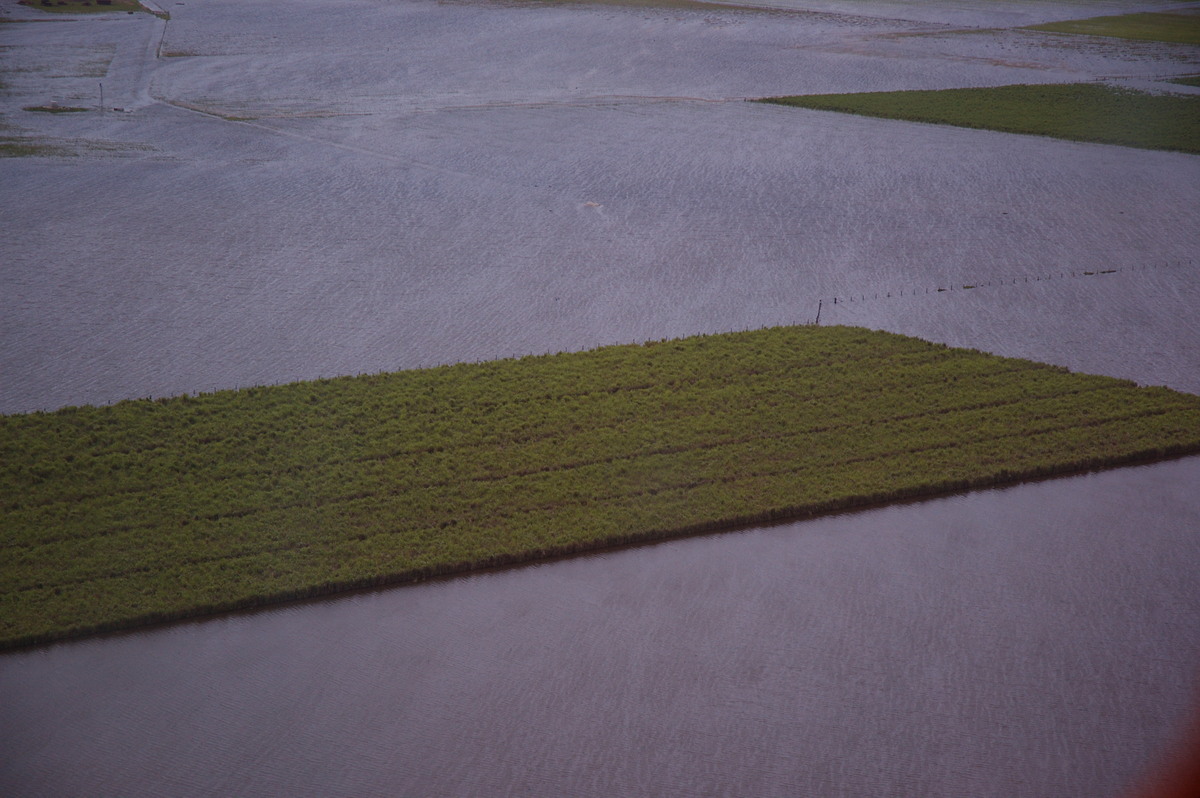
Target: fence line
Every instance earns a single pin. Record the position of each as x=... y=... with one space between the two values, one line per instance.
x=1062 y=274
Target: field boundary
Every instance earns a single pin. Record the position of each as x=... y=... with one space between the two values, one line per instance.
x=152 y=511
x=503 y=562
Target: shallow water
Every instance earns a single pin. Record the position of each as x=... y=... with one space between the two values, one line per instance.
x=426 y=183
x=423 y=183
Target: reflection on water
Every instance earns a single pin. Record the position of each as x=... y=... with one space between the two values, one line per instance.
x=1037 y=640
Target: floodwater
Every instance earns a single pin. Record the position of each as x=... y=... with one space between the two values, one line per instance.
x=425 y=182
x=358 y=186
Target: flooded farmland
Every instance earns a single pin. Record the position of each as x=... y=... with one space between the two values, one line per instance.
x=360 y=186
x=417 y=183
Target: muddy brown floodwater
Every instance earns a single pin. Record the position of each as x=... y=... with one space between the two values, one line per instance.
x=357 y=186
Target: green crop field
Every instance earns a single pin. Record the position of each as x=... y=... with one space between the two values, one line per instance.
x=152 y=510
x=86 y=6
x=1178 y=27
x=1077 y=111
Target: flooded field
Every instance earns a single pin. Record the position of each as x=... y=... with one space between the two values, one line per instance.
x=423 y=183
x=358 y=186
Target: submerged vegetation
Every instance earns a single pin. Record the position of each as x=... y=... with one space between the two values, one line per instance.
x=55 y=109
x=1077 y=111
x=18 y=146
x=151 y=510
x=1178 y=27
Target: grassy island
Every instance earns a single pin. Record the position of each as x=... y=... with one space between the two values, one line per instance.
x=87 y=6
x=1077 y=111
x=1176 y=27
x=152 y=510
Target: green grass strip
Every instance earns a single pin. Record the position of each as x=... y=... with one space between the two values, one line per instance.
x=55 y=109
x=90 y=6
x=153 y=510
x=1179 y=27
x=1076 y=111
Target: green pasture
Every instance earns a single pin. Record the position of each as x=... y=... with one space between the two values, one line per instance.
x=1077 y=111
x=84 y=6
x=1177 y=27
x=152 y=510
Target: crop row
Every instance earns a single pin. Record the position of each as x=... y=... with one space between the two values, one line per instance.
x=244 y=442
x=146 y=511
x=355 y=424
x=350 y=562
x=773 y=413
x=365 y=511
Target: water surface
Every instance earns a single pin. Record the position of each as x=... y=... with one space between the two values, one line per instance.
x=421 y=183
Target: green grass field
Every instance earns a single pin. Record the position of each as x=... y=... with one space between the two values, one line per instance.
x=1077 y=111
x=153 y=510
x=85 y=6
x=1178 y=27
